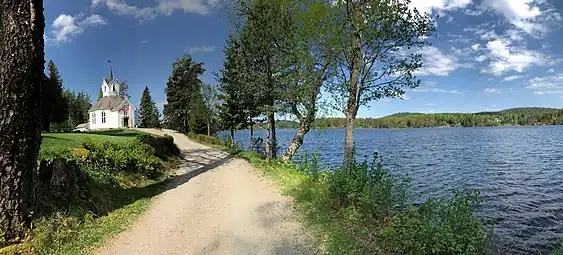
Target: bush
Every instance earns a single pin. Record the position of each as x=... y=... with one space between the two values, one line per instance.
x=205 y=138
x=163 y=146
x=129 y=157
x=369 y=188
x=436 y=227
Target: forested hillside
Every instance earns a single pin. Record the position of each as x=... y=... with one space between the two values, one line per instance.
x=509 y=117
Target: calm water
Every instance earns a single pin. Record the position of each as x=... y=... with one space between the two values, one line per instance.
x=519 y=171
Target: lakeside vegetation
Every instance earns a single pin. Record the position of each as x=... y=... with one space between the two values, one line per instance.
x=523 y=116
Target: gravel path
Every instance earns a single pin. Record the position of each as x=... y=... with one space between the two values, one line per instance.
x=216 y=205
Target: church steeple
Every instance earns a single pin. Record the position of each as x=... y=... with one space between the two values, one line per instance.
x=110 y=71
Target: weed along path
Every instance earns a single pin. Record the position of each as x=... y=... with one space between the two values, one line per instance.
x=215 y=205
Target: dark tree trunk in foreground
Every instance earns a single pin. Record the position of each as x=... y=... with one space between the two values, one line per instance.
x=232 y=137
x=23 y=60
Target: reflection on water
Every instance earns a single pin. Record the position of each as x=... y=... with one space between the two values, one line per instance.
x=519 y=171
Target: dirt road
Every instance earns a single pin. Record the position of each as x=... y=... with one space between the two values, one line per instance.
x=216 y=205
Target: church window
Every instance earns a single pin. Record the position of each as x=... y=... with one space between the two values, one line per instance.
x=125 y=113
x=103 y=117
x=113 y=88
x=94 y=118
x=104 y=88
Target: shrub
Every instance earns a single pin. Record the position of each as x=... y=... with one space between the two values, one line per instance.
x=436 y=227
x=205 y=138
x=163 y=146
x=369 y=188
x=130 y=157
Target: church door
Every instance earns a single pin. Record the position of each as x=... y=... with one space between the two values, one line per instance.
x=126 y=122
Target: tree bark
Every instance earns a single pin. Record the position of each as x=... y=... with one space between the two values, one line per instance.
x=251 y=147
x=297 y=141
x=23 y=59
x=271 y=144
x=354 y=92
x=208 y=128
x=232 y=137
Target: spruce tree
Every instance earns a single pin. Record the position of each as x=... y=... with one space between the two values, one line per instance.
x=148 y=117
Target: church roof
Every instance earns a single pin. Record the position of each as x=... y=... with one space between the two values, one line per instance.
x=108 y=103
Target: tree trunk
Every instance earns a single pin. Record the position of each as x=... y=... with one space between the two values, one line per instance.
x=232 y=137
x=208 y=128
x=297 y=141
x=271 y=144
x=354 y=92
x=251 y=147
x=22 y=57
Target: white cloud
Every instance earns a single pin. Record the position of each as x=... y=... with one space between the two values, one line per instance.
x=439 y=5
x=200 y=49
x=492 y=90
x=481 y=58
x=65 y=26
x=531 y=16
x=161 y=7
x=546 y=85
x=512 y=77
x=430 y=104
x=551 y=70
x=475 y=46
x=435 y=62
x=437 y=90
x=405 y=97
x=504 y=58
x=473 y=12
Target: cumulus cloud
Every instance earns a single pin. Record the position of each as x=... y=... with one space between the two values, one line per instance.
x=439 y=5
x=66 y=26
x=436 y=62
x=161 y=7
x=504 y=58
x=531 y=16
x=546 y=85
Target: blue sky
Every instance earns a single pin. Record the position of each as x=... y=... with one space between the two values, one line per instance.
x=486 y=55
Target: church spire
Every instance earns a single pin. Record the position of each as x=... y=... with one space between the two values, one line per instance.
x=110 y=71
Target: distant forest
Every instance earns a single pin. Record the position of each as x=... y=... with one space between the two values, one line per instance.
x=524 y=116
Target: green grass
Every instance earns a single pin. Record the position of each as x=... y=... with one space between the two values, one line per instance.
x=334 y=235
x=74 y=140
x=104 y=204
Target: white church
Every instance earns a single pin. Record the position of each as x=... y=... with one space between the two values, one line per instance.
x=111 y=111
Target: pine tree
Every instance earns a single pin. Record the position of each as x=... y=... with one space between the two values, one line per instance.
x=148 y=117
x=184 y=80
x=23 y=60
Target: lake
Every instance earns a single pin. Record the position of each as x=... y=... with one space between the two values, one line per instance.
x=519 y=171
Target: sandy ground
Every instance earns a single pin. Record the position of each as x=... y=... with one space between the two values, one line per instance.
x=216 y=205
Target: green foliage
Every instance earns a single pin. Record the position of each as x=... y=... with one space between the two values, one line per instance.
x=205 y=138
x=148 y=112
x=436 y=227
x=369 y=188
x=129 y=157
x=363 y=209
x=180 y=87
x=163 y=146
x=198 y=114
x=54 y=106
x=558 y=249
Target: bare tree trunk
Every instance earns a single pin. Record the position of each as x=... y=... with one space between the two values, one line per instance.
x=232 y=137
x=297 y=141
x=251 y=147
x=23 y=59
x=354 y=92
x=208 y=128
x=271 y=144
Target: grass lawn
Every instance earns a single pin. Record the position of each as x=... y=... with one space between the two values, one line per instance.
x=74 y=140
